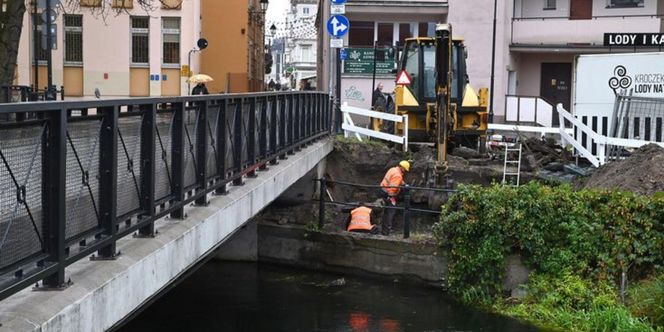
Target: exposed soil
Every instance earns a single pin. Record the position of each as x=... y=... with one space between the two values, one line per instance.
x=641 y=172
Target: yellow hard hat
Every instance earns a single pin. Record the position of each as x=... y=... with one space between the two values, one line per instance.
x=405 y=164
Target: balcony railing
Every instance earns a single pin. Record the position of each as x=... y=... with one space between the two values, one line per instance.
x=563 y=31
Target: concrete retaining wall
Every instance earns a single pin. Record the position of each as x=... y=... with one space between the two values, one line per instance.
x=345 y=252
x=104 y=292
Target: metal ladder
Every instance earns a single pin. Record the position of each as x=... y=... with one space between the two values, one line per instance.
x=507 y=174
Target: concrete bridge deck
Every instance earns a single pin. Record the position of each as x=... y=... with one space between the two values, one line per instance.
x=103 y=293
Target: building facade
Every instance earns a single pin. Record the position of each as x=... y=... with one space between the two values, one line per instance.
x=121 y=50
x=536 y=41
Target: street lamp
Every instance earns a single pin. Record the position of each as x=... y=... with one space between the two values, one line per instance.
x=264 y=5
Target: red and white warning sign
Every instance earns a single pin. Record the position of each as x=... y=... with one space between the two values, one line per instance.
x=403 y=78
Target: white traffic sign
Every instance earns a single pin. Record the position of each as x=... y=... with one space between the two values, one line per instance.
x=338 y=9
x=337 y=25
x=404 y=78
x=336 y=43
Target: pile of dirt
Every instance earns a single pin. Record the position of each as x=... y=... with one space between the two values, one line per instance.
x=641 y=172
x=546 y=153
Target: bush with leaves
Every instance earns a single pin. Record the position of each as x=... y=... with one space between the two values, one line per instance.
x=556 y=230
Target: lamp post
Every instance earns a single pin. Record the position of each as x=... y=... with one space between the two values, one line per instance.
x=273 y=32
x=493 y=60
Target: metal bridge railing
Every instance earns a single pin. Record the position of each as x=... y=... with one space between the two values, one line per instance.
x=77 y=176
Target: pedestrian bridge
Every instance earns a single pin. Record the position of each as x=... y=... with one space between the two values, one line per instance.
x=180 y=175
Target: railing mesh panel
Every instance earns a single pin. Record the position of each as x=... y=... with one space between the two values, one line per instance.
x=163 y=155
x=82 y=177
x=22 y=150
x=190 y=121
x=211 y=132
x=129 y=165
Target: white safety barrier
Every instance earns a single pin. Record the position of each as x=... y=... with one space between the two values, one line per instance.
x=349 y=126
x=527 y=129
x=600 y=140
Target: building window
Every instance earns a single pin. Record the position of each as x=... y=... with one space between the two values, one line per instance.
x=171 y=4
x=305 y=10
x=624 y=3
x=73 y=39
x=306 y=54
x=405 y=31
x=361 y=34
x=42 y=53
x=385 y=34
x=127 y=4
x=549 y=4
x=140 y=32
x=170 y=29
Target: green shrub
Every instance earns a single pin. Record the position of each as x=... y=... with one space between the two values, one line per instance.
x=571 y=303
x=646 y=299
x=579 y=242
x=556 y=230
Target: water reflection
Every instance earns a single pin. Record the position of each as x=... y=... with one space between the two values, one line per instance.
x=224 y=296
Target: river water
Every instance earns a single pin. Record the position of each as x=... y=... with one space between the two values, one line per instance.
x=225 y=296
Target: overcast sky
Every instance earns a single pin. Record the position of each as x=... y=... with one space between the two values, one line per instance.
x=276 y=10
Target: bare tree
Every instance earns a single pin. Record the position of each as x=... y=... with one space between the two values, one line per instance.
x=11 y=24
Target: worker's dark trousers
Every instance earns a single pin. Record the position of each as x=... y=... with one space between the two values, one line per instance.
x=388 y=217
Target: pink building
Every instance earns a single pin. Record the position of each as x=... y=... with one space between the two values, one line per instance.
x=536 y=40
x=122 y=52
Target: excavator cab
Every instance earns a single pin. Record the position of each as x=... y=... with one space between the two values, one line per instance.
x=440 y=93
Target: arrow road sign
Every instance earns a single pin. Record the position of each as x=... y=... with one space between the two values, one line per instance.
x=337 y=25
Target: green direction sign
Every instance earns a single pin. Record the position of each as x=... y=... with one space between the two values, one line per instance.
x=360 y=61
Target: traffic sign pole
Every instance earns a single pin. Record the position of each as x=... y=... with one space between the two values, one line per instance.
x=49 y=65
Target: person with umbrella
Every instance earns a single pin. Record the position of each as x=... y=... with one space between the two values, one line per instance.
x=200 y=89
x=200 y=80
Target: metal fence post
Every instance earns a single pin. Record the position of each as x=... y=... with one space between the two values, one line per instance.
x=177 y=162
x=321 y=203
x=201 y=151
x=108 y=175
x=148 y=137
x=406 y=212
x=54 y=184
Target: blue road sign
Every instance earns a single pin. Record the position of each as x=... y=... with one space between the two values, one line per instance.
x=338 y=2
x=337 y=25
x=343 y=54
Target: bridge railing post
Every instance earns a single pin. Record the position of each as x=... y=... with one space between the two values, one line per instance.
x=148 y=147
x=178 y=158
x=54 y=184
x=251 y=135
x=201 y=151
x=108 y=175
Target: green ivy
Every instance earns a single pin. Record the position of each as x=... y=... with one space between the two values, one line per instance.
x=556 y=230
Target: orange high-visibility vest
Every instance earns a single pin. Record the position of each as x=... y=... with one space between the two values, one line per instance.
x=393 y=178
x=360 y=219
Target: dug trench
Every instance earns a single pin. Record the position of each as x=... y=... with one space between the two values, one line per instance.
x=288 y=231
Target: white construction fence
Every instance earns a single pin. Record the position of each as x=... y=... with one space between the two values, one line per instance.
x=350 y=128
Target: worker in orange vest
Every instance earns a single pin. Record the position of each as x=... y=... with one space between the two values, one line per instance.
x=389 y=187
x=360 y=221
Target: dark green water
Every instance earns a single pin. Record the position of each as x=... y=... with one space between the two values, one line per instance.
x=224 y=296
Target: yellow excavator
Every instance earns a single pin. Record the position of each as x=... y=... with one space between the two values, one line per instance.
x=441 y=105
